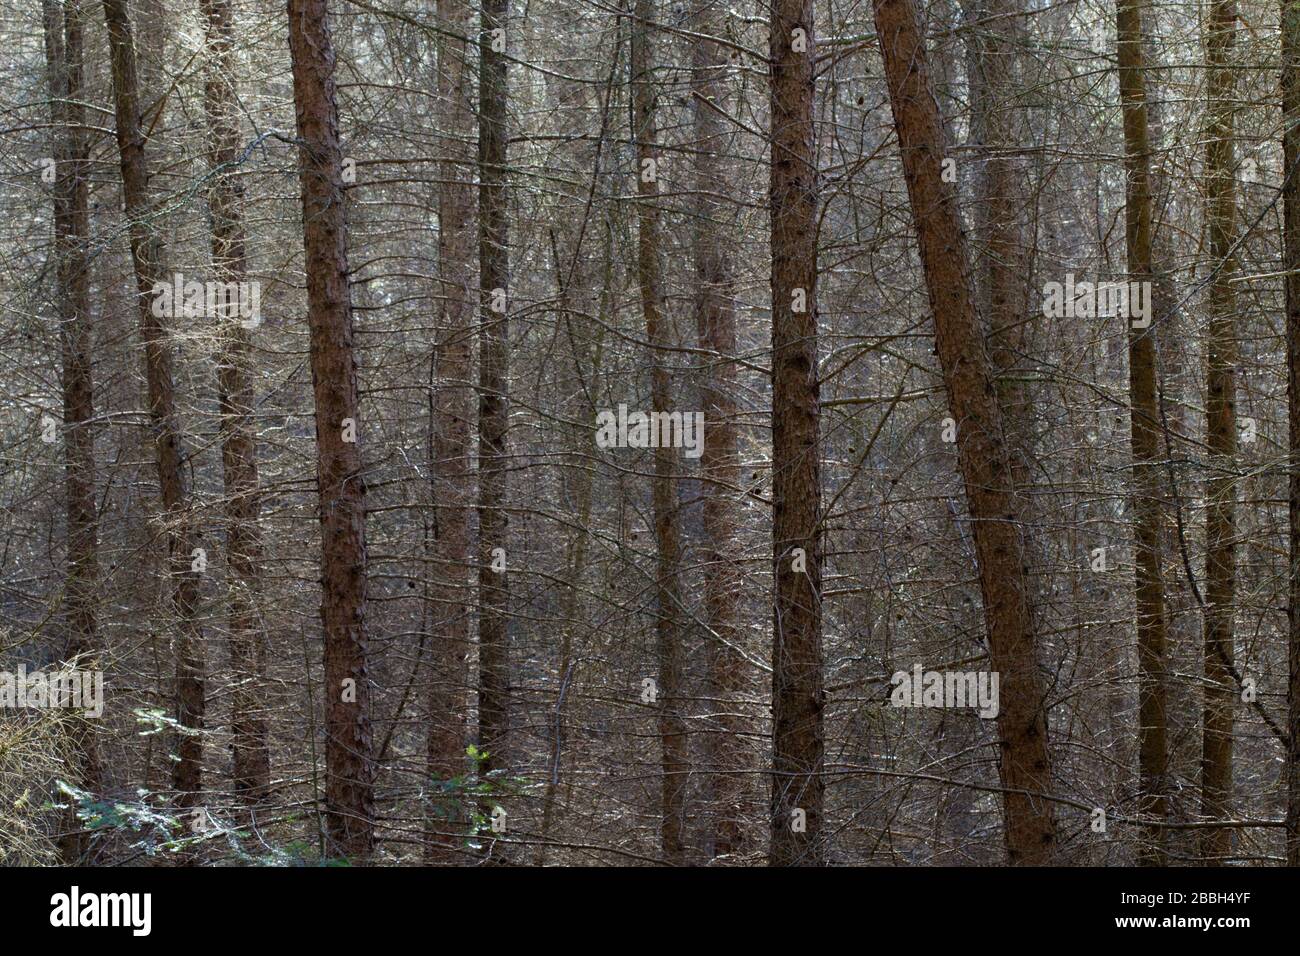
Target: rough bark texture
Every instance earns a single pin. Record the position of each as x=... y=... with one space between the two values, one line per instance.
x=453 y=484
x=63 y=46
x=1221 y=435
x=494 y=394
x=1145 y=425
x=1003 y=263
x=715 y=320
x=146 y=258
x=983 y=454
x=798 y=695
x=251 y=770
x=668 y=630
x=349 y=761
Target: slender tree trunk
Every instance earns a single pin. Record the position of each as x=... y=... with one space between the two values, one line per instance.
x=452 y=475
x=1221 y=432
x=983 y=454
x=798 y=695
x=668 y=630
x=999 y=209
x=1145 y=424
x=715 y=318
x=1290 y=81
x=349 y=753
x=252 y=759
x=63 y=46
x=146 y=257
x=494 y=395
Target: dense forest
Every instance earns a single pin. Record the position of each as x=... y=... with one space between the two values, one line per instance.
x=650 y=432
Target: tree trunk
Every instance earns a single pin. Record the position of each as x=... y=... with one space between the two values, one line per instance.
x=1221 y=433
x=1004 y=267
x=715 y=319
x=349 y=760
x=798 y=696
x=1145 y=425
x=146 y=257
x=63 y=46
x=668 y=630
x=983 y=453
x=452 y=476
x=494 y=396
x=252 y=761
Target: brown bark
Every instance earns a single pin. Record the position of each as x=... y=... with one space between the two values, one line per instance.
x=452 y=475
x=63 y=52
x=715 y=318
x=1145 y=425
x=251 y=771
x=493 y=404
x=1290 y=82
x=984 y=457
x=349 y=753
x=146 y=258
x=798 y=695
x=1003 y=265
x=668 y=629
x=1221 y=432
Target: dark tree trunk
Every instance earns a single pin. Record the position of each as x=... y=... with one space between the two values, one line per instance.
x=63 y=53
x=349 y=753
x=146 y=257
x=252 y=760
x=798 y=696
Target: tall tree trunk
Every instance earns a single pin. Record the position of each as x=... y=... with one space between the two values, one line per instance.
x=983 y=454
x=798 y=695
x=1290 y=81
x=999 y=209
x=452 y=476
x=146 y=257
x=494 y=395
x=63 y=46
x=715 y=319
x=349 y=752
x=1145 y=425
x=1221 y=432
x=668 y=630
x=252 y=759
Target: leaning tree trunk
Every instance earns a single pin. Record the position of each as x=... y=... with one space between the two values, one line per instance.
x=349 y=751
x=1221 y=432
x=63 y=45
x=251 y=754
x=798 y=695
x=182 y=539
x=1145 y=425
x=984 y=456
